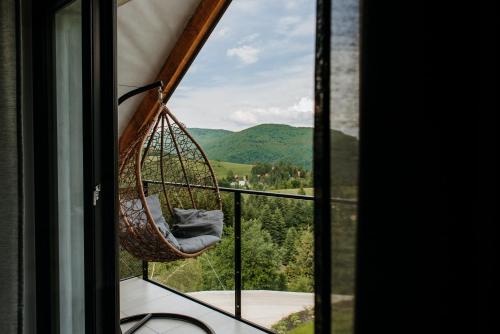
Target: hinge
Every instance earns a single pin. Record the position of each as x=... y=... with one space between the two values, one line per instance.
x=97 y=190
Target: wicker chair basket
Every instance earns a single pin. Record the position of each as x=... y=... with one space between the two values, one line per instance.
x=166 y=161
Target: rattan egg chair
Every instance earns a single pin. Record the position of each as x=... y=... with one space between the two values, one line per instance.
x=166 y=161
x=163 y=160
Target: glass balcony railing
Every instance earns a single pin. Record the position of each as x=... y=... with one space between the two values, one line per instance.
x=262 y=272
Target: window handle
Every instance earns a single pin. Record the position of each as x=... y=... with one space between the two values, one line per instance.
x=97 y=191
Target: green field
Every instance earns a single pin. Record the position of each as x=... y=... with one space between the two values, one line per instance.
x=221 y=168
x=309 y=191
x=307 y=328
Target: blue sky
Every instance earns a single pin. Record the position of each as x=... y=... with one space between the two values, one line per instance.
x=257 y=67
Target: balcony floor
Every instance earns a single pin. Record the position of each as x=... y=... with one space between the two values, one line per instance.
x=138 y=296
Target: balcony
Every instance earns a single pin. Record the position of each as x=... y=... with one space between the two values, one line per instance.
x=229 y=306
x=140 y=296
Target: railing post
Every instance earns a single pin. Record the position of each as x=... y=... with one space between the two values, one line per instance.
x=145 y=267
x=237 y=254
x=145 y=264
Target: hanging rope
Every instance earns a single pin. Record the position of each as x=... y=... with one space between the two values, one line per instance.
x=215 y=272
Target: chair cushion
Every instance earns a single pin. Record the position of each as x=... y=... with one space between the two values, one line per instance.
x=154 y=206
x=196 y=244
x=193 y=223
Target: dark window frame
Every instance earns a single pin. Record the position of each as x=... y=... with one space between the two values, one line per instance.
x=100 y=159
x=321 y=154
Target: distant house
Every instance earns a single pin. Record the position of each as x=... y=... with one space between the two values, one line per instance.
x=238 y=182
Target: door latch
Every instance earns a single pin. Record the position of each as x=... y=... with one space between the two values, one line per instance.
x=97 y=190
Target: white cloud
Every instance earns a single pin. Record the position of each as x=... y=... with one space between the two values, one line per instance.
x=244 y=117
x=277 y=37
x=300 y=113
x=306 y=27
x=293 y=4
x=286 y=23
x=249 y=39
x=247 y=54
x=305 y=104
x=296 y=26
x=280 y=97
x=248 y=6
x=221 y=33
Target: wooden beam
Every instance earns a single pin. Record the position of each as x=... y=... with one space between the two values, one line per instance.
x=194 y=35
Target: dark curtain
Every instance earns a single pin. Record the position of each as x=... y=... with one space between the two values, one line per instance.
x=10 y=198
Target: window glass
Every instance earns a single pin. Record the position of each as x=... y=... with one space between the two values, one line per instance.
x=68 y=64
x=344 y=158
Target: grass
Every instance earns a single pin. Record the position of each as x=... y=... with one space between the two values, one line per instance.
x=221 y=168
x=302 y=322
x=305 y=328
x=309 y=191
x=342 y=320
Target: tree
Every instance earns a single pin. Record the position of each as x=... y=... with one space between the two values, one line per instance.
x=277 y=227
x=300 y=271
x=185 y=275
x=261 y=261
x=228 y=210
x=266 y=217
x=230 y=176
x=261 y=168
x=299 y=214
x=289 y=247
x=274 y=223
x=295 y=183
x=224 y=183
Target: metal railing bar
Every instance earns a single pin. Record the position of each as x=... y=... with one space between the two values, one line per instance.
x=258 y=192
x=129 y=277
x=237 y=236
x=145 y=269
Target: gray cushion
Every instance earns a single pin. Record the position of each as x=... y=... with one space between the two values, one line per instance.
x=193 y=223
x=195 y=244
x=154 y=206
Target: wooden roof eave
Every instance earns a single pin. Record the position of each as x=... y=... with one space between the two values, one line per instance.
x=191 y=40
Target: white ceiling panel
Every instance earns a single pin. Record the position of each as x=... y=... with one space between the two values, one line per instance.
x=147 y=31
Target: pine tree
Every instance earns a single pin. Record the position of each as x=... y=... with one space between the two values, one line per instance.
x=266 y=217
x=278 y=228
x=230 y=176
x=300 y=271
x=289 y=246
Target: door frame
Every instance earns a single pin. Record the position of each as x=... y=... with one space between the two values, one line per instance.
x=322 y=183
x=100 y=166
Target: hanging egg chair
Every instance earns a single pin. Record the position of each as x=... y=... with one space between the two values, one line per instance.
x=162 y=172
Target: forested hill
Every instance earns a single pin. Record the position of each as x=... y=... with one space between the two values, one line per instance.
x=207 y=136
x=276 y=142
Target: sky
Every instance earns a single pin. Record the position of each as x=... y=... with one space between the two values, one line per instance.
x=258 y=67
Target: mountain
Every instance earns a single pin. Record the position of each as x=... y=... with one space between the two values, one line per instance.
x=262 y=143
x=206 y=136
x=277 y=142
